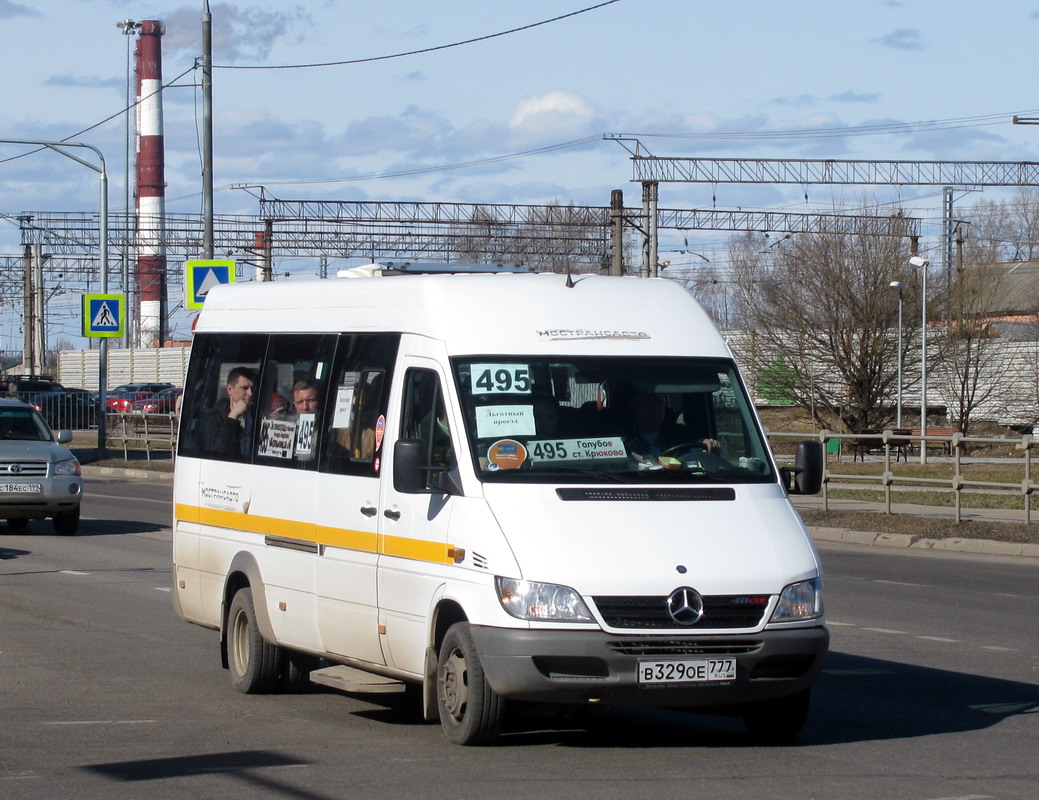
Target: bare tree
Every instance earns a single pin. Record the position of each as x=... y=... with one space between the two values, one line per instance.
x=824 y=320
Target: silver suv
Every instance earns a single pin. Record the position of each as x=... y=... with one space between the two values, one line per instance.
x=39 y=477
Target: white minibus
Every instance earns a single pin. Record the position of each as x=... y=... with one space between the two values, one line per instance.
x=515 y=490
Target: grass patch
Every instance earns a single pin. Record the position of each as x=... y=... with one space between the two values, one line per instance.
x=925 y=527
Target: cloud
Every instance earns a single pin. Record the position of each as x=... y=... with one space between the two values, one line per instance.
x=9 y=10
x=239 y=34
x=78 y=82
x=556 y=113
x=902 y=39
x=855 y=97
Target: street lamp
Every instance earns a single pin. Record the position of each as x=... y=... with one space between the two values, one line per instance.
x=923 y=264
x=60 y=147
x=898 y=413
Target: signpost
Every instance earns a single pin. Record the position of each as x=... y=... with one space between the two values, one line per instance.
x=201 y=276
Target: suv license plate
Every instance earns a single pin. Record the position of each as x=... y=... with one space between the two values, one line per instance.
x=704 y=670
x=28 y=488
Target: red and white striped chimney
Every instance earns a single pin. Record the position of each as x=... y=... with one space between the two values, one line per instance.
x=151 y=187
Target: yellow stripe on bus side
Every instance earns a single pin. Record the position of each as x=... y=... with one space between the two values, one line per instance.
x=365 y=541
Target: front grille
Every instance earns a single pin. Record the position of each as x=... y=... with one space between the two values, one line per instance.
x=721 y=611
x=22 y=469
x=654 y=646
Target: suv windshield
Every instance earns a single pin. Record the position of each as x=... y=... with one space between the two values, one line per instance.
x=23 y=424
x=580 y=419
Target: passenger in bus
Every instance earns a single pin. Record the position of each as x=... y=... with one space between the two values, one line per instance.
x=228 y=426
x=304 y=398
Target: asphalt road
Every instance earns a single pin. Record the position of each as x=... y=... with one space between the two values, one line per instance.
x=931 y=691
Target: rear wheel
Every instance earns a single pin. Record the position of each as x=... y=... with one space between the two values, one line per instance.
x=255 y=664
x=471 y=712
x=778 y=721
x=67 y=522
x=17 y=523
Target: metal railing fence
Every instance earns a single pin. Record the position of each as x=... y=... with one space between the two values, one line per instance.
x=891 y=445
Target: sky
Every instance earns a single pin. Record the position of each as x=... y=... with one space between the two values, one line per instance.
x=518 y=117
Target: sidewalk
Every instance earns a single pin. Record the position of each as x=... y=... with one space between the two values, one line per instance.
x=904 y=540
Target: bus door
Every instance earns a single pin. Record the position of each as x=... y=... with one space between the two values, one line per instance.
x=414 y=559
x=347 y=508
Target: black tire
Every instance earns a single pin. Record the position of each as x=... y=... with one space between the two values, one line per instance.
x=471 y=712
x=17 y=523
x=66 y=523
x=778 y=721
x=254 y=664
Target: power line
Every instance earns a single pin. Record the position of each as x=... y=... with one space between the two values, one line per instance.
x=417 y=52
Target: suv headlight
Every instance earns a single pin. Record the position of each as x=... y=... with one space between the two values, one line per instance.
x=69 y=466
x=546 y=602
x=800 y=601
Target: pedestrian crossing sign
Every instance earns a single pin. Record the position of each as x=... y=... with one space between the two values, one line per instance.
x=104 y=315
x=201 y=276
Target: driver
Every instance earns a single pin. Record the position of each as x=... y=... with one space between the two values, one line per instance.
x=653 y=434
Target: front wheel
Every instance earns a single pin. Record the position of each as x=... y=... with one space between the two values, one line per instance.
x=778 y=721
x=471 y=712
x=254 y=663
x=66 y=522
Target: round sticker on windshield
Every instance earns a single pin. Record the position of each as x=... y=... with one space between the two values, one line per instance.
x=506 y=454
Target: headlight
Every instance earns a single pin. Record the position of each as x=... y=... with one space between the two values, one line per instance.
x=800 y=601
x=69 y=466
x=541 y=601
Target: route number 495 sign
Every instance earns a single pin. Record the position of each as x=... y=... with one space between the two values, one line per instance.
x=501 y=379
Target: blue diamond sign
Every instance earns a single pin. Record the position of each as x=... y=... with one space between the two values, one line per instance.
x=104 y=315
x=201 y=276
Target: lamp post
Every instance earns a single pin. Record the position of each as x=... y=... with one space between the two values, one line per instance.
x=898 y=408
x=59 y=147
x=923 y=264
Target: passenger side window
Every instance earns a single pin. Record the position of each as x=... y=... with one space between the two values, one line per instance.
x=290 y=399
x=218 y=418
x=357 y=399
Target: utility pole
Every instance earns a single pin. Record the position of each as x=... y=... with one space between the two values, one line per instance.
x=617 y=232
x=207 y=131
x=28 y=312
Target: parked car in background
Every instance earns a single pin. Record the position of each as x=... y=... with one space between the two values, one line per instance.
x=22 y=385
x=66 y=407
x=39 y=477
x=164 y=402
x=122 y=397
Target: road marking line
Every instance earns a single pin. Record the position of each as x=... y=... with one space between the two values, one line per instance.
x=102 y=722
x=999 y=649
x=162 y=589
x=939 y=639
x=72 y=572
x=900 y=583
x=885 y=630
x=833 y=624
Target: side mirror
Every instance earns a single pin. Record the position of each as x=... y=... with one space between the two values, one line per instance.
x=412 y=475
x=807 y=473
x=408 y=475
x=64 y=436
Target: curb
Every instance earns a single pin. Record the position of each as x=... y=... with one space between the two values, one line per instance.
x=89 y=471
x=908 y=541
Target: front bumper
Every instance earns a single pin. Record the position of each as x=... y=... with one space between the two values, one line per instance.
x=554 y=666
x=62 y=493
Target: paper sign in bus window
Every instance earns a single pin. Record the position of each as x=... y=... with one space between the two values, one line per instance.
x=305 y=434
x=500 y=379
x=276 y=438
x=344 y=402
x=498 y=421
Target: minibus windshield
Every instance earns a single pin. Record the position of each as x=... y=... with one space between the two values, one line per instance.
x=579 y=419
